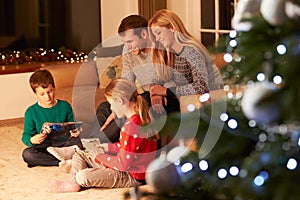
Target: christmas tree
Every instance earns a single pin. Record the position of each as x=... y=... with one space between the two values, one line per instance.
x=256 y=155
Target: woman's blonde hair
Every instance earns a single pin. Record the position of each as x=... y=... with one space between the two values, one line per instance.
x=126 y=89
x=164 y=58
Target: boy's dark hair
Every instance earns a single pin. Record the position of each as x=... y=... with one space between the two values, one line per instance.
x=41 y=78
x=135 y=22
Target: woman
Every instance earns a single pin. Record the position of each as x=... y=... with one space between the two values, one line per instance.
x=179 y=56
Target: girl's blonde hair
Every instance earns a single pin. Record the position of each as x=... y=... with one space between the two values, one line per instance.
x=164 y=58
x=126 y=89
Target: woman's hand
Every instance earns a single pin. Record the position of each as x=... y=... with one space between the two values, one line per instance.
x=158 y=98
x=157 y=103
x=38 y=138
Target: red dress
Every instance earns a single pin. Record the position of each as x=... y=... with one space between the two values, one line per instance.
x=132 y=153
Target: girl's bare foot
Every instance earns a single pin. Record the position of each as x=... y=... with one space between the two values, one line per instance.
x=56 y=186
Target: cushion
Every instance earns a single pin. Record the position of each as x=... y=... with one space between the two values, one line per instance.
x=108 y=68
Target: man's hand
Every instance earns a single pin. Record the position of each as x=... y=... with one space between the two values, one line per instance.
x=110 y=118
x=158 y=90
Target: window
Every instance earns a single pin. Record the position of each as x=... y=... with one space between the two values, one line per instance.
x=215 y=20
x=49 y=24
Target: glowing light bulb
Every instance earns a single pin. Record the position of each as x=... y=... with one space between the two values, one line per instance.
x=232 y=123
x=234 y=170
x=277 y=79
x=222 y=173
x=205 y=97
x=258 y=181
x=191 y=107
x=224 y=117
x=203 y=165
x=233 y=34
x=281 y=49
x=186 y=167
x=233 y=43
x=228 y=57
x=260 y=77
x=292 y=164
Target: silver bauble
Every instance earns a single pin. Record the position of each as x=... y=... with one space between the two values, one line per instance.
x=292 y=10
x=246 y=9
x=162 y=175
x=252 y=105
x=273 y=11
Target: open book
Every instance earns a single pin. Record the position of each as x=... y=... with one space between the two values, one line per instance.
x=91 y=145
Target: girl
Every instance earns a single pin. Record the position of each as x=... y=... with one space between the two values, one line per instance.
x=180 y=57
x=121 y=164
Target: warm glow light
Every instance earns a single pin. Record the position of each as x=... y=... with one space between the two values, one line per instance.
x=281 y=49
x=186 y=167
x=205 y=97
x=224 y=117
x=203 y=165
x=234 y=170
x=232 y=123
x=228 y=57
x=222 y=173
x=252 y=123
x=233 y=34
x=260 y=77
x=277 y=79
x=191 y=107
x=292 y=164
x=233 y=43
x=258 y=181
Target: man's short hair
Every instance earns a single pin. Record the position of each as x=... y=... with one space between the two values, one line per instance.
x=41 y=78
x=135 y=22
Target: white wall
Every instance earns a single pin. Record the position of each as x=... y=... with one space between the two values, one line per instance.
x=112 y=12
x=16 y=95
x=189 y=13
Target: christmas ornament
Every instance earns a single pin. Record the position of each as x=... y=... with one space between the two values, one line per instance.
x=292 y=10
x=261 y=103
x=177 y=152
x=245 y=10
x=273 y=11
x=162 y=175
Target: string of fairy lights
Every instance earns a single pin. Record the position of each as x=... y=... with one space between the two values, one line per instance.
x=236 y=171
x=41 y=55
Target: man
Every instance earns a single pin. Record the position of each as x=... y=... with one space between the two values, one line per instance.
x=137 y=67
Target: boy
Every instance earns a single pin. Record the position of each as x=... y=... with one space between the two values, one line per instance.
x=46 y=109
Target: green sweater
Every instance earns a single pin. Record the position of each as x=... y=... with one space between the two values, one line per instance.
x=35 y=116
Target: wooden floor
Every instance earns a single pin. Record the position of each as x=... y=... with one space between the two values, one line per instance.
x=18 y=122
